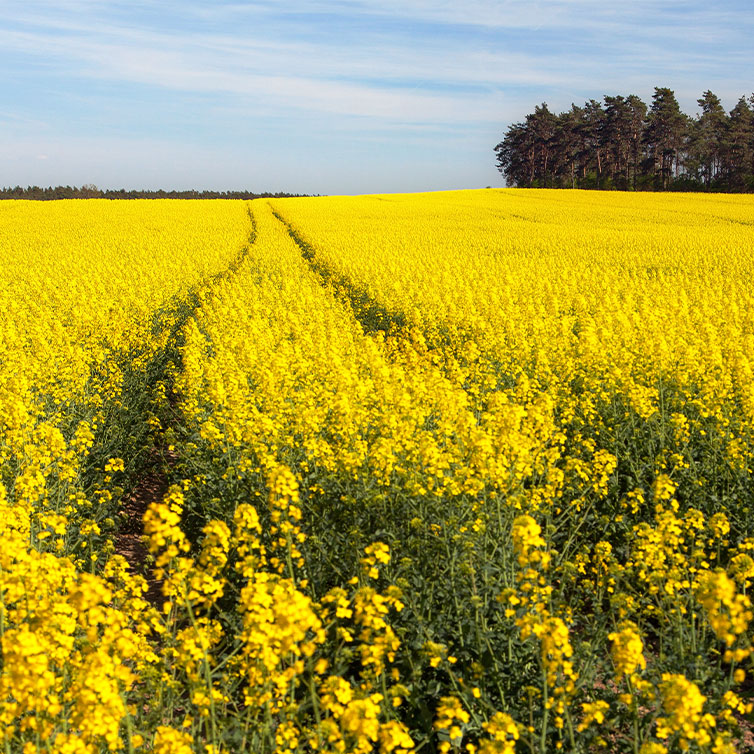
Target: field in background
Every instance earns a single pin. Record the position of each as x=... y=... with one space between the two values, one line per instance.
x=465 y=471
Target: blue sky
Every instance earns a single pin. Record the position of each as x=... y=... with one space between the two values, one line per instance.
x=331 y=96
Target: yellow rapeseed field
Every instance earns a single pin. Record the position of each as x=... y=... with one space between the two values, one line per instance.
x=461 y=472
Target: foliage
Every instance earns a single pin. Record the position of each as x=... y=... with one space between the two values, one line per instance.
x=624 y=145
x=90 y=191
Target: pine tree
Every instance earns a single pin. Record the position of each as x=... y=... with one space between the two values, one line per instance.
x=664 y=135
x=708 y=137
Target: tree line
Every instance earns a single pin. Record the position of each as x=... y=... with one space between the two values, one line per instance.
x=621 y=143
x=89 y=191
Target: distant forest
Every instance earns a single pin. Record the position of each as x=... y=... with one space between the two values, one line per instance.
x=623 y=144
x=89 y=191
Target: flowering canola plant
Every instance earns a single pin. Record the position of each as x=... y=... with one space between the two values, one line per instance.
x=465 y=471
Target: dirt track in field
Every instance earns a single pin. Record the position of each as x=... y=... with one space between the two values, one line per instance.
x=129 y=541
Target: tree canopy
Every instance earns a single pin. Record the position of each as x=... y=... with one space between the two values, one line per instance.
x=621 y=143
x=90 y=191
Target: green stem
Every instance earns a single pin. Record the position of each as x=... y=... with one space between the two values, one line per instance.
x=634 y=715
x=545 y=714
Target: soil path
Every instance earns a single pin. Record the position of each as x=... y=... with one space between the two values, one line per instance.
x=129 y=541
x=152 y=483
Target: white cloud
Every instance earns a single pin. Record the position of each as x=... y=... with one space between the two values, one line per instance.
x=437 y=73
x=370 y=74
x=435 y=79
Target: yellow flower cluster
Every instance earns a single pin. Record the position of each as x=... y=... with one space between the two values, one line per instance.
x=728 y=612
x=627 y=651
x=683 y=704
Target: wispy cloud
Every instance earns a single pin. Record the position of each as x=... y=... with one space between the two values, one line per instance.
x=366 y=71
x=384 y=71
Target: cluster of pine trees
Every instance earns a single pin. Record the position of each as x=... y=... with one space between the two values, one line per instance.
x=623 y=144
x=89 y=191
